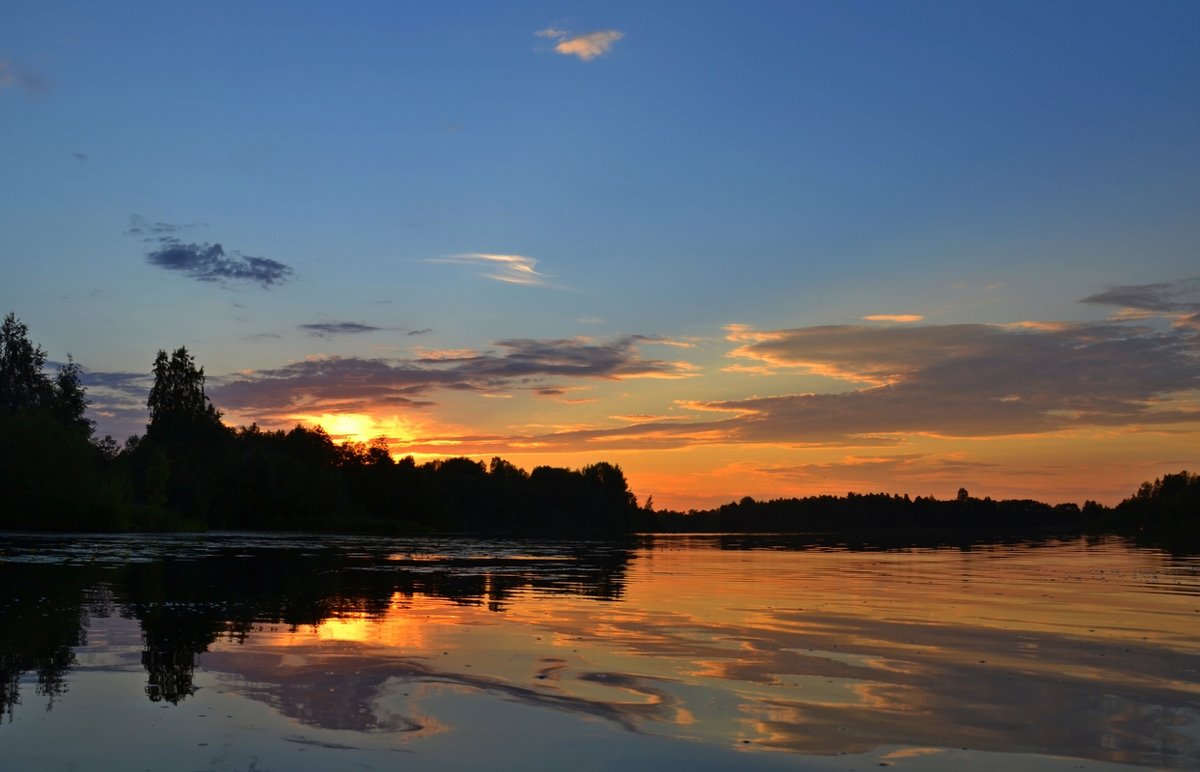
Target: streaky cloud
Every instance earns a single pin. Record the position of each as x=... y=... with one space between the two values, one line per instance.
x=117 y=401
x=972 y=380
x=1178 y=299
x=510 y=269
x=138 y=226
x=963 y=381
x=329 y=329
x=514 y=365
x=897 y=318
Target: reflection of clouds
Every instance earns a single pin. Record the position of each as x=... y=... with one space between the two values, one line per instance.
x=851 y=692
x=334 y=687
x=1076 y=650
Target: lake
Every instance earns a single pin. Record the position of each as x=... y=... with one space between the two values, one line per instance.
x=261 y=652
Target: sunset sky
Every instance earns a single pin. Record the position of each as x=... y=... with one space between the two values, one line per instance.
x=766 y=249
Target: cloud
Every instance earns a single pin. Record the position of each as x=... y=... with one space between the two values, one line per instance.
x=327 y=329
x=117 y=401
x=665 y=341
x=80 y=157
x=11 y=75
x=589 y=46
x=970 y=380
x=510 y=269
x=898 y=318
x=422 y=331
x=329 y=384
x=210 y=263
x=152 y=230
x=586 y=47
x=1179 y=300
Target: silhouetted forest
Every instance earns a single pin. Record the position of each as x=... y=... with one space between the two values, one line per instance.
x=1165 y=511
x=190 y=471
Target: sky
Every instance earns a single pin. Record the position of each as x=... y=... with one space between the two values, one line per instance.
x=768 y=249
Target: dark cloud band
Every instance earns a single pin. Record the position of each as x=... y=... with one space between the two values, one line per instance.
x=327 y=329
x=515 y=364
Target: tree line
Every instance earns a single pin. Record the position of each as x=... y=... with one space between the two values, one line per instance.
x=190 y=471
x=1166 y=511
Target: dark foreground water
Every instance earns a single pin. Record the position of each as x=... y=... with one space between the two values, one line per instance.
x=290 y=653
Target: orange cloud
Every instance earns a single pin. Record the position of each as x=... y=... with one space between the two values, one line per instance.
x=588 y=46
x=900 y=318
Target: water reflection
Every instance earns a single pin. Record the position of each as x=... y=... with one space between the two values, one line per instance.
x=38 y=630
x=1069 y=649
x=187 y=594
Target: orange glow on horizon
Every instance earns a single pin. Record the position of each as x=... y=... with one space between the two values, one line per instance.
x=707 y=467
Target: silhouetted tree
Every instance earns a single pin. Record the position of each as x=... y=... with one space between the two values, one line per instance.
x=70 y=402
x=177 y=401
x=23 y=385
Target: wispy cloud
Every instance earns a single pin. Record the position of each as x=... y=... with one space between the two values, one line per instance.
x=118 y=401
x=587 y=46
x=14 y=76
x=971 y=380
x=152 y=231
x=329 y=329
x=510 y=269
x=329 y=384
x=80 y=157
x=211 y=263
x=1179 y=300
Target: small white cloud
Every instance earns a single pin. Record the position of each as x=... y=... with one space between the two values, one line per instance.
x=588 y=46
x=552 y=32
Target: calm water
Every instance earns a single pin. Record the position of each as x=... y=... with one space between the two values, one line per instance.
x=283 y=653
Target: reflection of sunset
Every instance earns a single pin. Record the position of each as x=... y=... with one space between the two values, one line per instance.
x=733 y=641
x=409 y=625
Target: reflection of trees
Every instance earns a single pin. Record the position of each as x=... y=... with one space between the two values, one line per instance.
x=168 y=599
x=173 y=637
x=38 y=630
x=184 y=605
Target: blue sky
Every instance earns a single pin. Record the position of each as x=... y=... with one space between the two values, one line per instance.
x=614 y=186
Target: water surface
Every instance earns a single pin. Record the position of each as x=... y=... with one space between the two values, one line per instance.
x=235 y=652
